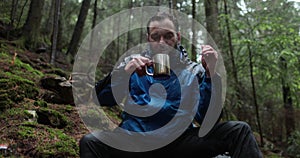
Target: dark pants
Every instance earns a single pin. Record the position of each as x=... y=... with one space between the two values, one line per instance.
x=234 y=137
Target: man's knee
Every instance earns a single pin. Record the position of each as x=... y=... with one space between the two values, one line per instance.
x=241 y=126
x=237 y=126
x=86 y=139
x=244 y=125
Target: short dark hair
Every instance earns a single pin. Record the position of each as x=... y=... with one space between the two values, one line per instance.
x=159 y=16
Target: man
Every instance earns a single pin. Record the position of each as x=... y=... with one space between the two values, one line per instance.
x=185 y=97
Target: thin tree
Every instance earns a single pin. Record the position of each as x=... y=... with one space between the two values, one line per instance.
x=55 y=31
x=236 y=83
x=60 y=42
x=158 y=2
x=170 y=6
x=48 y=28
x=141 y=31
x=14 y=6
x=287 y=100
x=73 y=46
x=251 y=66
x=129 y=36
x=174 y=3
x=194 y=53
x=230 y=45
x=21 y=14
x=95 y=14
x=118 y=39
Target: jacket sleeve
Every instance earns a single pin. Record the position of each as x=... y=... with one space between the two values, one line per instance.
x=112 y=88
x=104 y=91
x=205 y=95
x=209 y=88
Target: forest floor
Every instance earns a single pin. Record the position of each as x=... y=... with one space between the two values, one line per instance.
x=22 y=134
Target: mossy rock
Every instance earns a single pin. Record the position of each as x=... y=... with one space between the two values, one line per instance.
x=40 y=103
x=51 y=117
x=14 y=89
x=57 y=71
x=19 y=68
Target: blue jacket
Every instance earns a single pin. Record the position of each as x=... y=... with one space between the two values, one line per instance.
x=153 y=102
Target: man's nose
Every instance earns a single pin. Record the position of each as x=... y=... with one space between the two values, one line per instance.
x=162 y=40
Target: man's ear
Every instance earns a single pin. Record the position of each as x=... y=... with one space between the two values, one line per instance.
x=178 y=36
x=147 y=36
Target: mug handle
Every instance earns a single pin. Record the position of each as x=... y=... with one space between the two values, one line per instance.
x=148 y=73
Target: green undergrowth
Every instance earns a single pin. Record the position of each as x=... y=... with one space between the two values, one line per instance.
x=29 y=137
x=14 y=89
x=50 y=142
x=55 y=135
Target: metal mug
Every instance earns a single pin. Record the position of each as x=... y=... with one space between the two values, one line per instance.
x=161 y=66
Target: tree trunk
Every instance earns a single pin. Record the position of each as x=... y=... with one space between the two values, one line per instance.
x=73 y=46
x=60 y=44
x=21 y=14
x=170 y=6
x=55 y=31
x=118 y=40
x=31 y=28
x=14 y=6
x=194 y=41
x=142 y=30
x=287 y=101
x=236 y=97
x=174 y=4
x=254 y=95
x=48 y=28
x=129 y=38
x=234 y=69
x=95 y=14
x=211 y=14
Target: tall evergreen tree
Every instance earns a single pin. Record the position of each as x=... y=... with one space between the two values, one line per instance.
x=73 y=45
x=31 y=28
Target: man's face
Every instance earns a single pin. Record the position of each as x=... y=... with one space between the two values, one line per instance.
x=162 y=36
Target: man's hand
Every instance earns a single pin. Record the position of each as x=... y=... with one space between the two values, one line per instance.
x=138 y=64
x=209 y=59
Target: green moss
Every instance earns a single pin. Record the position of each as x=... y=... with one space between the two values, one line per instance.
x=68 y=108
x=52 y=117
x=19 y=68
x=58 y=72
x=3 y=56
x=28 y=68
x=40 y=103
x=50 y=142
x=13 y=112
x=15 y=88
x=5 y=100
x=113 y=112
x=92 y=113
x=64 y=144
x=26 y=132
x=19 y=81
